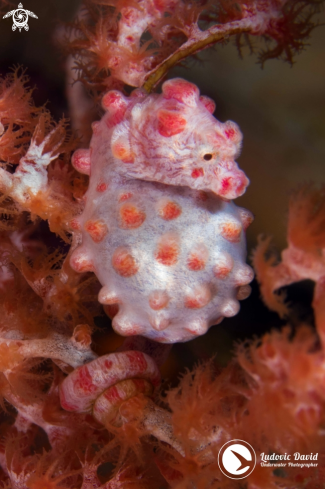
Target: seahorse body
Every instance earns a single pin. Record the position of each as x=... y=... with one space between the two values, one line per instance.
x=159 y=228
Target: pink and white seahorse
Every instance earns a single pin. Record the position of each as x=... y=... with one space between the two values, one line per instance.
x=159 y=227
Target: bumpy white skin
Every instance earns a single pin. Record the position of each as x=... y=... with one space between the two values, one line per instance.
x=158 y=228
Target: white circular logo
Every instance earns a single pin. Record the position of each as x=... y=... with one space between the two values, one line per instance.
x=237 y=459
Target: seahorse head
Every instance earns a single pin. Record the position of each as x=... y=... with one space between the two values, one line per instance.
x=173 y=138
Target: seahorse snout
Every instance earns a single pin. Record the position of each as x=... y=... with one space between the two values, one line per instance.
x=230 y=185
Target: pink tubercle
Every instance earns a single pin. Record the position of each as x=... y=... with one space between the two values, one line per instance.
x=101 y=187
x=231 y=231
x=170 y=123
x=124 y=263
x=182 y=91
x=223 y=266
x=97 y=230
x=197 y=258
x=167 y=250
x=80 y=262
x=125 y=196
x=197 y=172
x=158 y=299
x=198 y=298
x=208 y=103
x=131 y=216
x=169 y=210
x=81 y=161
x=75 y=224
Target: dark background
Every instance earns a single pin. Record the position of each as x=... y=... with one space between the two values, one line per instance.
x=281 y=112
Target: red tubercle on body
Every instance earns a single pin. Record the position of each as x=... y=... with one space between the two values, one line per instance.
x=124 y=263
x=97 y=230
x=170 y=123
x=221 y=271
x=75 y=224
x=231 y=231
x=159 y=324
x=125 y=196
x=181 y=90
x=101 y=187
x=132 y=329
x=226 y=185
x=81 y=263
x=122 y=151
x=208 y=103
x=240 y=182
x=131 y=216
x=191 y=331
x=170 y=210
x=195 y=262
x=232 y=186
x=81 y=161
x=158 y=299
x=192 y=303
x=197 y=172
x=246 y=218
x=198 y=257
x=95 y=127
x=116 y=104
x=167 y=250
x=198 y=298
x=113 y=99
x=108 y=298
x=223 y=266
x=230 y=133
x=244 y=276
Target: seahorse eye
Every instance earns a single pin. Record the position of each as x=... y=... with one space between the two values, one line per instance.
x=207 y=156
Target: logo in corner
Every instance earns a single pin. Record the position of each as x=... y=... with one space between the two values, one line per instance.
x=20 y=18
x=237 y=459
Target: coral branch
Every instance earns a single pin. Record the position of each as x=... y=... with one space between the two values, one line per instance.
x=110 y=51
x=304 y=258
x=57 y=346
